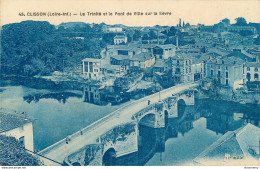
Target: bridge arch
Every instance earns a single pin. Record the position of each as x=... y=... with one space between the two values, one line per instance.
x=76 y=164
x=109 y=157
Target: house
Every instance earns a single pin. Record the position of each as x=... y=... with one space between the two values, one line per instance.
x=91 y=68
x=251 y=71
x=233 y=148
x=181 y=68
x=111 y=72
x=164 y=51
x=109 y=29
x=241 y=54
x=17 y=125
x=187 y=68
x=142 y=60
x=197 y=70
x=128 y=50
x=241 y=28
x=120 y=39
x=226 y=71
x=162 y=66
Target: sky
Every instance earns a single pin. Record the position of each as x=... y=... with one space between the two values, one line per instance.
x=206 y=12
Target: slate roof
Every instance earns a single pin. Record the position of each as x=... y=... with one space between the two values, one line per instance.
x=142 y=56
x=120 y=57
x=120 y=37
x=227 y=61
x=218 y=52
x=252 y=64
x=235 y=143
x=242 y=55
x=186 y=55
x=11 y=120
x=91 y=60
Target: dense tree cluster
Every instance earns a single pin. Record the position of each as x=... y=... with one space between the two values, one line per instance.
x=36 y=48
x=12 y=153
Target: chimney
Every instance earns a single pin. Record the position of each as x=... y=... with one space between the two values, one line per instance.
x=177 y=42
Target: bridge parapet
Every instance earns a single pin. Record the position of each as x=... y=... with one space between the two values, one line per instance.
x=88 y=155
x=132 y=112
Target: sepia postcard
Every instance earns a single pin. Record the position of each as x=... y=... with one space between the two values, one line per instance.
x=130 y=83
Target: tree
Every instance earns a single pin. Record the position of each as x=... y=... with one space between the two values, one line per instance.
x=172 y=31
x=145 y=37
x=152 y=35
x=137 y=35
x=240 y=21
x=14 y=154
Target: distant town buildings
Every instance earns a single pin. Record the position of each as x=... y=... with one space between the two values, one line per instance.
x=223 y=53
x=120 y=39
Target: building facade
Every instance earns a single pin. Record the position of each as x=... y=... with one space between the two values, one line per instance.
x=226 y=71
x=91 y=68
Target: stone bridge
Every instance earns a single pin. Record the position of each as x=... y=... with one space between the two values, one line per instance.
x=117 y=134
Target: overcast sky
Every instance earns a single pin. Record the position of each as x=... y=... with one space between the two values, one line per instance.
x=206 y=12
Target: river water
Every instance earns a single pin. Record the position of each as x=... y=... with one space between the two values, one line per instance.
x=62 y=111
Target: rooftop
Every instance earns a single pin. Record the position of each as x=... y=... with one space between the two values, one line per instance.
x=120 y=37
x=252 y=64
x=227 y=61
x=91 y=60
x=120 y=57
x=10 y=120
x=239 y=143
x=142 y=56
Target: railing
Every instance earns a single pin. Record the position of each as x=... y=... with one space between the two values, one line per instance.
x=106 y=118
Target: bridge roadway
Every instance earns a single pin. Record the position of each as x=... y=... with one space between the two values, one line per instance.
x=60 y=150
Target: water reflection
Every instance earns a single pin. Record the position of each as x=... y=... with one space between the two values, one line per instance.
x=102 y=96
x=187 y=135
x=61 y=97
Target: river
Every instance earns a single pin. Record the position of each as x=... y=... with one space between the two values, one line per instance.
x=62 y=111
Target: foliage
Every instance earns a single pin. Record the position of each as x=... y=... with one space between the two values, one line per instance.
x=152 y=35
x=240 y=21
x=12 y=153
x=137 y=35
x=35 y=48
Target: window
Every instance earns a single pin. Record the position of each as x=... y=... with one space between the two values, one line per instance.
x=211 y=72
x=178 y=62
x=223 y=62
x=256 y=69
x=248 y=76
x=186 y=62
x=218 y=67
x=211 y=66
x=226 y=81
x=256 y=76
x=226 y=68
x=248 y=68
x=177 y=71
x=95 y=70
x=21 y=140
x=218 y=74
x=226 y=74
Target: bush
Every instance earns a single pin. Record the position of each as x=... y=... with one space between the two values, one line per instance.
x=12 y=153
